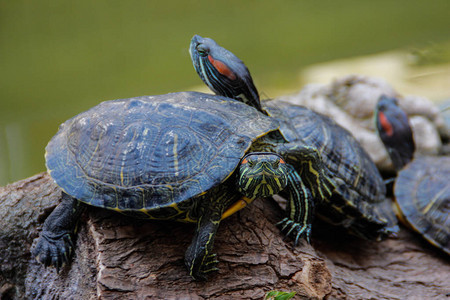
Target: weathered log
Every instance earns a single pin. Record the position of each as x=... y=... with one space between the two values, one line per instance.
x=121 y=258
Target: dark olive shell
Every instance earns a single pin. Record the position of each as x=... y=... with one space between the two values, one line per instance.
x=359 y=198
x=422 y=193
x=153 y=151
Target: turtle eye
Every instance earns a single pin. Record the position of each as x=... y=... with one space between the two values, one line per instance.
x=202 y=51
x=249 y=161
x=276 y=164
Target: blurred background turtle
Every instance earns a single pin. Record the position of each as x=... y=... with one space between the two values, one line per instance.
x=422 y=187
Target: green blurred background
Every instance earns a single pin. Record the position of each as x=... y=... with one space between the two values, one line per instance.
x=59 y=58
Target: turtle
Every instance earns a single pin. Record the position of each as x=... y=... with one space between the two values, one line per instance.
x=422 y=186
x=187 y=156
x=358 y=200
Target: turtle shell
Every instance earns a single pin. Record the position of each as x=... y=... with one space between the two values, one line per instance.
x=422 y=193
x=358 y=184
x=154 y=151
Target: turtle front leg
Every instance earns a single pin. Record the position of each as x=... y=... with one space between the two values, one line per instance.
x=308 y=183
x=56 y=242
x=300 y=208
x=307 y=161
x=199 y=258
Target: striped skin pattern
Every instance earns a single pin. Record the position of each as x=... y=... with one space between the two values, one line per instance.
x=358 y=200
x=262 y=175
x=300 y=206
x=330 y=166
x=222 y=71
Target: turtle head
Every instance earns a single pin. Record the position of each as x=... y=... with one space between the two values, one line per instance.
x=262 y=174
x=395 y=131
x=223 y=72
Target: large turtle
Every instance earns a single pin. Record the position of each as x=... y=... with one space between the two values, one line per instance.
x=422 y=188
x=358 y=200
x=173 y=157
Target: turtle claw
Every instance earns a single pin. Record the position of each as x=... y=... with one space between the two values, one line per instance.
x=209 y=265
x=295 y=230
x=53 y=250
x=211 y=259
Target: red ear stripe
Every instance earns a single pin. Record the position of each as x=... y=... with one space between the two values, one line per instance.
x=387 y=127
x=222 y=68
x=244 y=161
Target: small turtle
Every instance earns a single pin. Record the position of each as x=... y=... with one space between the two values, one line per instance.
x=188 y=157
x=422 y=188
x=358 y=200
x=395 y=131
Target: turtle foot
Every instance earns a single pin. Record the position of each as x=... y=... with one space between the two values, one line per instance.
x=295 y=230
x=53 y=250
x=209 y=265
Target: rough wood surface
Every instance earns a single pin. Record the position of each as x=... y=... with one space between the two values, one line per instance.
x=121 y=258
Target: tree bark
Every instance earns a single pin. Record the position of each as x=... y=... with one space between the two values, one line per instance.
x=121 y=258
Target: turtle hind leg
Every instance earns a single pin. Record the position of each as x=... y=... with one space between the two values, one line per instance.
x=56 y=242
x=199 y=258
